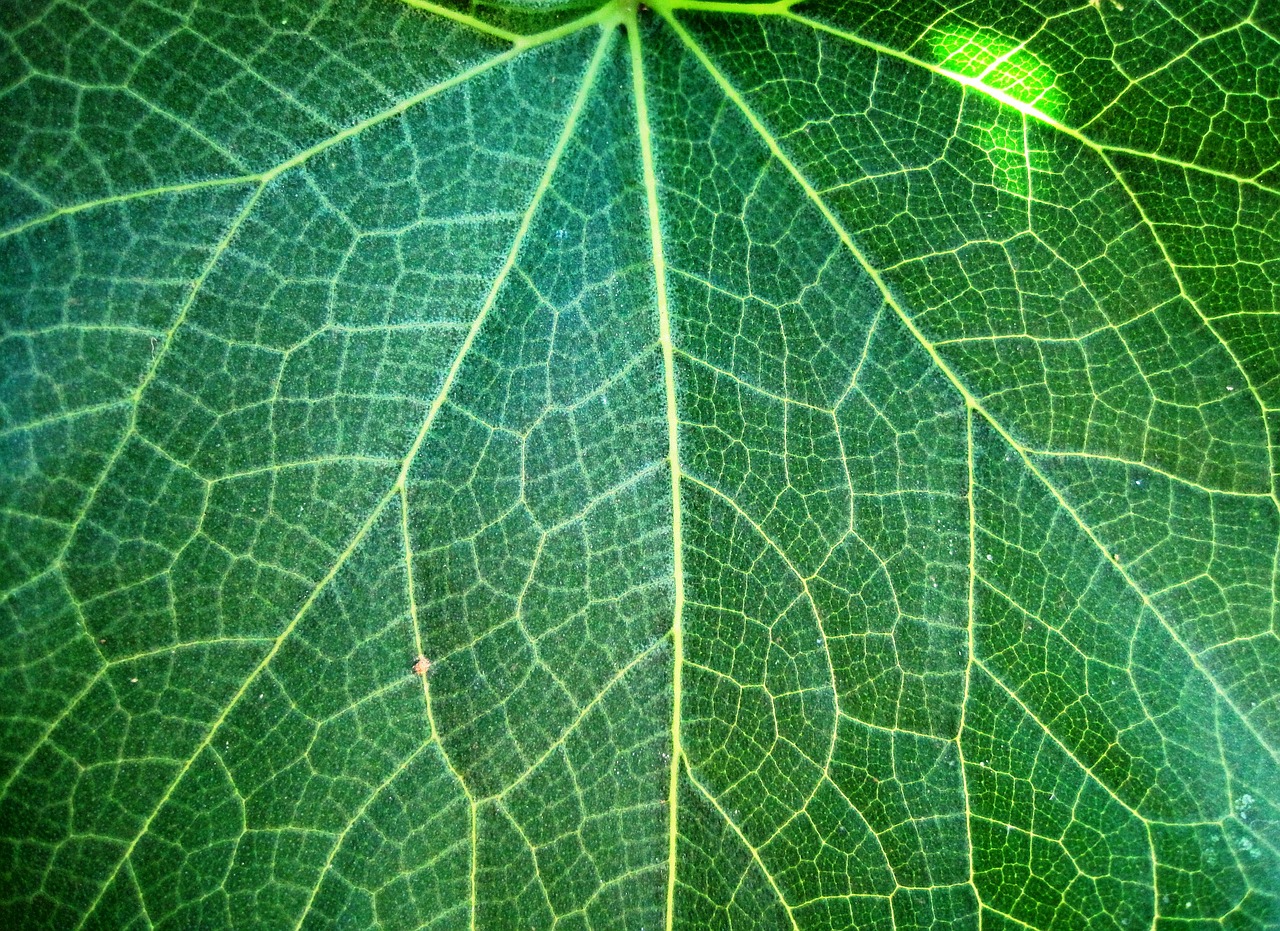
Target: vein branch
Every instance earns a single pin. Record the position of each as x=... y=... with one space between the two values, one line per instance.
x=394 y=491
x=732 y=93
x=751 y=849
x=977 y=84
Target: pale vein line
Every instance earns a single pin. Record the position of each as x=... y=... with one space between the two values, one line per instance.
x=391 y=493
x=187 y=645
x=142 y=899
x=755 y=854
x=1155 y=470
x=355 y=819
x=969 y=659
x=544 y=184
x=533 y=855
x=464 y=19
x=248 y=68
x=846 y=239
x=166 y=114
x=51 y=726
x=135 y=398
x=523 y=44
x=894 y=729
x=277 y=467
x=1007 y=917
x=34 y=518
x=581 y=716
x=235 y=699
x=739 y=380
x=603 y=497
x=124 y=198
x=401 y=485
x=1057 y=742
x=262 y=181
x=838 y=712
x=645 y=132
x=1186 y=295
x=411 y=592
x=799 y=576
x=782 y=9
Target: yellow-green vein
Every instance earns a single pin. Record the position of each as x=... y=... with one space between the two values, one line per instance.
x=645 y=133
x=846 y=239
x=392 y=493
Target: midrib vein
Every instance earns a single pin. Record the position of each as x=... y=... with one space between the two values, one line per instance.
x=645 y=134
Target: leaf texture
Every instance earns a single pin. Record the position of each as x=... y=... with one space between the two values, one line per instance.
x=827 y=453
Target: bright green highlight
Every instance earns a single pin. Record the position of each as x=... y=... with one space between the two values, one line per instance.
x=997 y=62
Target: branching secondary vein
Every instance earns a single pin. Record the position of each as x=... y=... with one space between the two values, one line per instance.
x=846 y=239
x=392 y=493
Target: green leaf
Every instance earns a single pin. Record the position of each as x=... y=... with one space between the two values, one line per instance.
x=826 y=453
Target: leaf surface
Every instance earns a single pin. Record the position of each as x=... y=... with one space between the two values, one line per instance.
x=827 y=454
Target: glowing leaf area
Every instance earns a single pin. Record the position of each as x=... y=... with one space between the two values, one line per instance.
x=997 y=62
x=788 y=466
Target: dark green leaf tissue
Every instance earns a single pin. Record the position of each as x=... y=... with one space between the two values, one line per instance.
x=673 y=465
